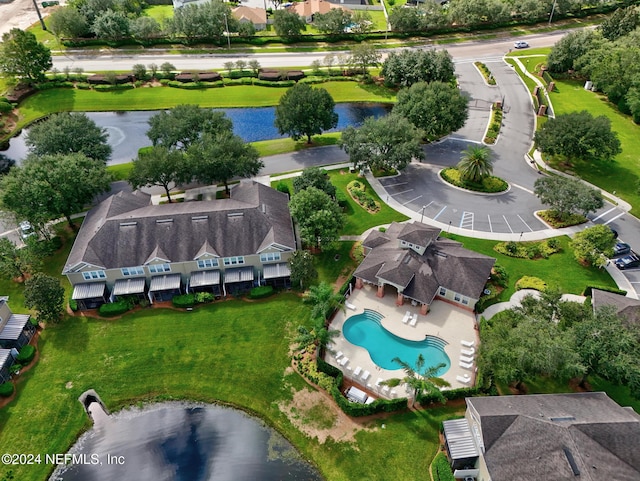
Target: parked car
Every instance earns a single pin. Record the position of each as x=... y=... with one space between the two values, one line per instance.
x=521 y=44
x=621 y=249
x=628 y=262
x=26 y=230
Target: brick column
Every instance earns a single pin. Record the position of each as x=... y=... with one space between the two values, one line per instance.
x=424 y=309
x=359 y=283
x=380 y=292
x=400 y=299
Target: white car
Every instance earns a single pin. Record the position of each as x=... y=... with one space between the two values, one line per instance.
x=26 y=230
x=521 y=44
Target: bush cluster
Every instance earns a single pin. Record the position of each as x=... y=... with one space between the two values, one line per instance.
x=6 y=389
x=494 y=126
x=528 y=250
x=203 y=297
x=184 y=300
x=261 y=292
x=111 y=309
x=486 y=73
x=73 y=304
x=530 y=282
x=5 y=107
x=26 y=355
x=441 y=469
x=358 y=191
x=192 y=85
x=588 y=289
x=558 y=220
x=490 y=184
x=111 y=88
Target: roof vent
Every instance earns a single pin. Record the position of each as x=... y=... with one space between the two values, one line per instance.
x=199 y=217
x=572 y=461
x=235 y=214
x=563 y=418
x=264 y=208
x=164 y=221
x=128 y=224
x=441 y=254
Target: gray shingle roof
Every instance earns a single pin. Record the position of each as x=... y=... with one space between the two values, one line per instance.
x=445 y=263
x=525 y=437
x=625 y=306
x=113 y=236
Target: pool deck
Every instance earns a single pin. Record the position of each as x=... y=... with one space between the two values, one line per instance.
x=446 y=321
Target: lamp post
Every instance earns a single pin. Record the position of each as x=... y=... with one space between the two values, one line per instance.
x=226 y=26
x=422 y=215
x=553 y=9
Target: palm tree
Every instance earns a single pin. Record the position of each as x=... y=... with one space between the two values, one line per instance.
x=319 y=335
x=476 y=163
x=323 y=300
x=421 y=379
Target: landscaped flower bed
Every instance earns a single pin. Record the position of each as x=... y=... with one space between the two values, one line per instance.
x=357 y=190
x=490 y=184
x=557 y=221
x=529 y=282
x=486 y=73
x=528 y=250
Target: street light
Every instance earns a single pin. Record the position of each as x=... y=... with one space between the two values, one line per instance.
x=226 y=26
x=553 y=9
x=422 y=215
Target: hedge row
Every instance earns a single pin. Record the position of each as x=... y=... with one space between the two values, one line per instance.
x=449 y=395
x=441 y=468
x=261 y=292
x=26 y=354
x=111 y=309
x=588 y=289
x=528 y=250
x=184 y=300
x=6 y=389
x=490 y=184
x=486 y=73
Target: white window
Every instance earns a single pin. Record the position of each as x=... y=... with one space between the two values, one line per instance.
x=154 y=268
x=465 y=300
x=443 y=291
x=89 y=275
x=205 y=263
x=456 y=297
x=270 y=257
x=133 y=271
x=233 y=261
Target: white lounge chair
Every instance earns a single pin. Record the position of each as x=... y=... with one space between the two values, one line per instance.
x=385 y=389
x=468 y=352
x=393 y=393
x=468 y=343
x=357 y=371
x=406 y=317
x=343 y=361
x=414 y=319
x=466 y=365
x=466 y=358
x=378 y=382
x=464 y=379
x=365 y=375
x=348 y=305
x=338 y=355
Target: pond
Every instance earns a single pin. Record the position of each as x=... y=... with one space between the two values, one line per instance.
x=127 y=130
x=183 y=442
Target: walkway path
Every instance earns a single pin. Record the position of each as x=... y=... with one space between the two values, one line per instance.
x=516 y=300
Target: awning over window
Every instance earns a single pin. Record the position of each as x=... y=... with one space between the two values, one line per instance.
x=134 y=285
x=460 y=439
x=14 y=327
x=88 y=290
x=241 y=274
x=272 y=271
x=164 y=283
x=204 y=278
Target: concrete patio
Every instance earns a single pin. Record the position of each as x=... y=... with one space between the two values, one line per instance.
x=445 y=321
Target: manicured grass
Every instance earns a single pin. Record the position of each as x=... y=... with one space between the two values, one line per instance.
x=159 y=12
x=560 y=270
x=281 y=146
x=620 y=394
x=621 y=175
x=62 y=100
x=213 y=354
x=120 y=171
x=329 y=269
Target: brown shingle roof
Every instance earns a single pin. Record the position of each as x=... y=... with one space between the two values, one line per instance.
x=625 y=306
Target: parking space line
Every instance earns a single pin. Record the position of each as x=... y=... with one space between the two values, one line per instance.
x=402 y=192
x=530 y=229
x=507 y=222
x=604 y=213
x=441 y=211
x=397 y=183
x=466 y=220
x=415 y=198
x=616 y=217
x=490 y=226
x=522 y=188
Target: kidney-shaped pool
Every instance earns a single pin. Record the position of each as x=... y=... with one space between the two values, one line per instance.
x=366 y=330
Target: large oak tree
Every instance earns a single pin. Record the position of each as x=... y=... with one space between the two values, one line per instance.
x=22 y=57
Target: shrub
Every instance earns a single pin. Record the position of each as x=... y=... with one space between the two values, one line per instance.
x=588 y=289
x=73 y=304
x=441 y=468
x=6 y=389
x=283 y=187
x=204 y=297
x=490 y=184
x=558 y=220
x=530 y=282
x=111 y=309
x=357 y=191
x=110 y=88
x=83 y=86
x=26 y=354
x=261 y=292
x=184 y=300
x=5 y=107
x=528 y=250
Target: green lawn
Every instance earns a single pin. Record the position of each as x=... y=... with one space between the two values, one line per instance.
x=621 y=175
x=159 y=12
x=213 y=354
x=560 y=270
x=64 y=100
x=334 y=263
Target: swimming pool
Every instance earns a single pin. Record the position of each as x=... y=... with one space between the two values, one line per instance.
x=365 y=330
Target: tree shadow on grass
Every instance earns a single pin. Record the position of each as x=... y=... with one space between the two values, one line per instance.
x=378 y=90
